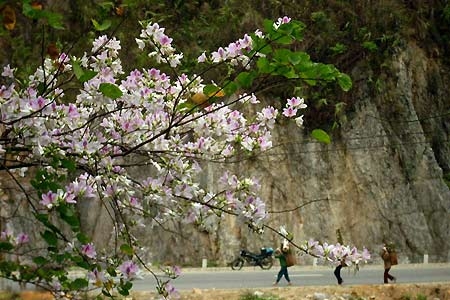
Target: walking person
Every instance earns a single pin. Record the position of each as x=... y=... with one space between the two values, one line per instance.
x=337 y=272
x=281 y=255
x=389 y=258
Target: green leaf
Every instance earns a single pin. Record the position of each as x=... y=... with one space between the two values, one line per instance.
x=297 y=29
x=230 y=88
x=321 y=136
x=282 y=55
x=344 y=81
x=60 y=258
x=39 y=260
x=211 y=89
x=325 y=72
x=123 y=292
x=80 y=74
x=296 y=58
x=128 y=285
x=77 y=70
x=87 y=75
x=268 y=26
x=126 y=249
x=67 y=213
x=260 y=45
x=103 y=26
x=50 y=237
x=83 y=264
x=284 y=40
x=77 y=259
x=82 y=238
x=43 y=218
x=369 y=45
x=110 y=90
x=78 y=284
x=264 y=65
x=124 y=288
x=54 y=19
x=111 y=271
x=244 y=79
x=6 y=246
x=69 y=164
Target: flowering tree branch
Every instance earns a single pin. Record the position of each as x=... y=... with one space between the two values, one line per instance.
x=85 y=149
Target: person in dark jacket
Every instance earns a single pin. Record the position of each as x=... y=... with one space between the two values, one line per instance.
x=281 y=255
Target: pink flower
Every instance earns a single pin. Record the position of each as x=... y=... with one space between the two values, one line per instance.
x=72 y=111
x=97 y=277
x=89 y=250
x=219 y=55
x=289 y=112
x=280 y=21
x=172 y=291
x=296 y=102
x=129 y=269
x=202 y=58
x=299 y=121
x=70 y=198
x=37 y=103
x=269 y=113
x=265 y=141
x=365 y=254
x=49 y=199
x=164 y=40
x=8 y=72
x=176 y=270
x=22 y=238
x=135 y=202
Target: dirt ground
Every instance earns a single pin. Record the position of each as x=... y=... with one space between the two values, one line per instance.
x=425 y=291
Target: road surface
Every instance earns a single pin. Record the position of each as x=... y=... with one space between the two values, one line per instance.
x=300 y=276
x=252 y=277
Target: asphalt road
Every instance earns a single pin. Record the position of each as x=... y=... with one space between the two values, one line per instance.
x=300 y=276
x=252 y=277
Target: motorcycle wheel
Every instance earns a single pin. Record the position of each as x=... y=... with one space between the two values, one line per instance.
x=237 y=264
x=266 y=263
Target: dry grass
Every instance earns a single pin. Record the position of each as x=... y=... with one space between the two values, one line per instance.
x=431 y=291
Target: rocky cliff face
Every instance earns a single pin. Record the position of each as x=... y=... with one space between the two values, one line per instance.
x=381 y=179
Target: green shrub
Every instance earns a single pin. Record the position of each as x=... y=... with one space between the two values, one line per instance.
x=258 y=296
x=421 y=297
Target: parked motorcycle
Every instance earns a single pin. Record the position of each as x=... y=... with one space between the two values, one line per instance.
x=263 y=260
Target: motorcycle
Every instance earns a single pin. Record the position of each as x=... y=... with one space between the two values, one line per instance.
x=264 y=260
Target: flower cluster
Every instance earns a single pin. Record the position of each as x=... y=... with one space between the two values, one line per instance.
x=154 y=35
x=336 y=254
x=292 y=107
x=20 y=239
x=235 y=53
